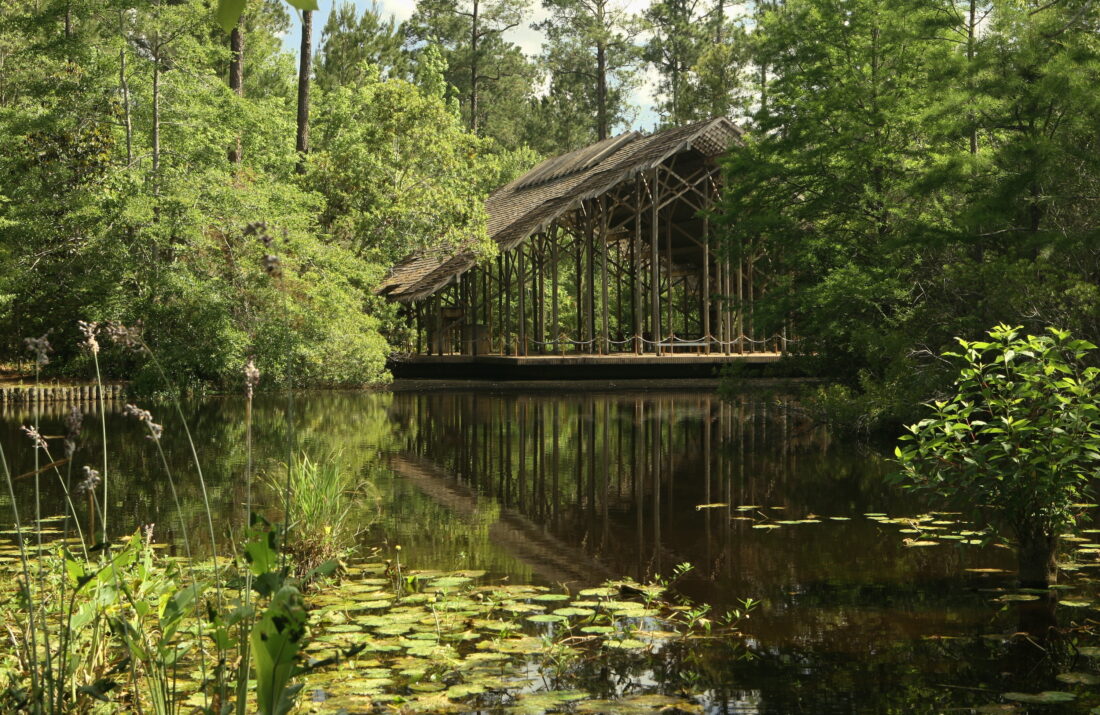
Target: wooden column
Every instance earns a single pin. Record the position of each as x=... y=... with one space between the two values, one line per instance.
x=439 y=323
x=636 y=268
x=655 y=267
x=554 y=287
x=705 y=285
x=605 y=345
x=508 y=303
x=521 y=250
x=578 y=246
x=590 y=294
x=540 y=329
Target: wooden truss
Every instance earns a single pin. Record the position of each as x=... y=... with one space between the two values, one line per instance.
x=630 y=271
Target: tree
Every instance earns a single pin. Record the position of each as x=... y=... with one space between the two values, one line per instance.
x=1019 y=437
x=592 y=59
x=718 y=87
x=350 y=41
x=679 y=36
x=400 y=173
x=491 y=76
x=305 y=67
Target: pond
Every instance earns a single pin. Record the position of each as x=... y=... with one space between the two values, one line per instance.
x=869 y=600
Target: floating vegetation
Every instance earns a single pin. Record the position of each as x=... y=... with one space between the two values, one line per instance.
x=1047 y=697
x=476 y=646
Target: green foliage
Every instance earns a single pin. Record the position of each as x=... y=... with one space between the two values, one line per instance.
x=915 y=176
x=593 y=65
x=488 y=75
x=118 y=202
x=317 y=498
x=1019 y=436
x=352 y=43
x=400 y=173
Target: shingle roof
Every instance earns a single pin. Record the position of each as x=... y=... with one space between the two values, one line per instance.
x=558 y=185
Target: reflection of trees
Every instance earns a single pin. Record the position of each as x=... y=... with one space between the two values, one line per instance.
x=353 y=424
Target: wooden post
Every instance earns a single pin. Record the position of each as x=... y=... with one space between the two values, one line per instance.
x=439 y=342
x=508 y=303
x=705 y=289
x=590 y=294
x=540 y=324
x=636 y=268
x=740 y=305
x=655 y=268
x=522 y=300
x=578 y=246
x=554 y=289
x=605 y=346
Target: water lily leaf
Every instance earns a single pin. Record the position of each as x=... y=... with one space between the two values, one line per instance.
x=911 y=544
x=464 y=690
x=1046 y=697
x=571 y=611
x=765 y=526
x=1075 y=604
x=625 y=644
x=716 y=505
x=601 y=630
x=601 y=591
x=1090 y=651
x=1009 y=597
x=449 y=582
x=545 y=618
x=1078 y=678
x=551 y=597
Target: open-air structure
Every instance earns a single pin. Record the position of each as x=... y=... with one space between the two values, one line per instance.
x=603 y=252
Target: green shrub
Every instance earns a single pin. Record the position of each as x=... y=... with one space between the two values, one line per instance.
x=1019 y=438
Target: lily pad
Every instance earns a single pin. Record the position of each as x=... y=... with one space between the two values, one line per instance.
x=1078 y=678
x=545 y=618
x=1047 y=697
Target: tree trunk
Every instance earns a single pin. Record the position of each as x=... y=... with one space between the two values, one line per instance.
x=156 y=108
x=601 y=91
x=473 y=69
x=1036 y=555
x=124 y=83
x=304 y=66
x=236 y=80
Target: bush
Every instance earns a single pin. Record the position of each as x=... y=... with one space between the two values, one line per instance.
x=1019 y=438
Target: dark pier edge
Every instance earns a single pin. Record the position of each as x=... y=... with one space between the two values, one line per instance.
x=581 y=367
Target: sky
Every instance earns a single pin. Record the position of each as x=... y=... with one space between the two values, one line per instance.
x=529 y=40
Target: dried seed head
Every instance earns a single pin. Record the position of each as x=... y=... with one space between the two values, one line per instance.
x=125 y=337
x=251 y=377
x=89 y=330
x=40 y=347
x=36 y=438
x=89 y=482
x=272 y=266
x=74 y=422
x=147 y=532
x=155 y=430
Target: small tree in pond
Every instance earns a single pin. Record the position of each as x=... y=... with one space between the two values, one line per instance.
x=1019 y=439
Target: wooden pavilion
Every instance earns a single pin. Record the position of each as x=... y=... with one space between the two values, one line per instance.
x=604 y=251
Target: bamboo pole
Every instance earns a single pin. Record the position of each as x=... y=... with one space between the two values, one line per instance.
x=605 y=345
x=655 y=270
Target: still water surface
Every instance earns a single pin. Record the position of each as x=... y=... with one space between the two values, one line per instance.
x=572 y=487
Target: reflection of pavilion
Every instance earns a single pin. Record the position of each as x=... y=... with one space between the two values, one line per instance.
x=608 y=474
x=602 y=251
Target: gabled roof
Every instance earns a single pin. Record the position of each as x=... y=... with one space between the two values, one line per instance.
x=555 y=187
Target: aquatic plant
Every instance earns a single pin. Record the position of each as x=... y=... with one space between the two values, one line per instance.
x=1018 y=438
x=317 y=498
